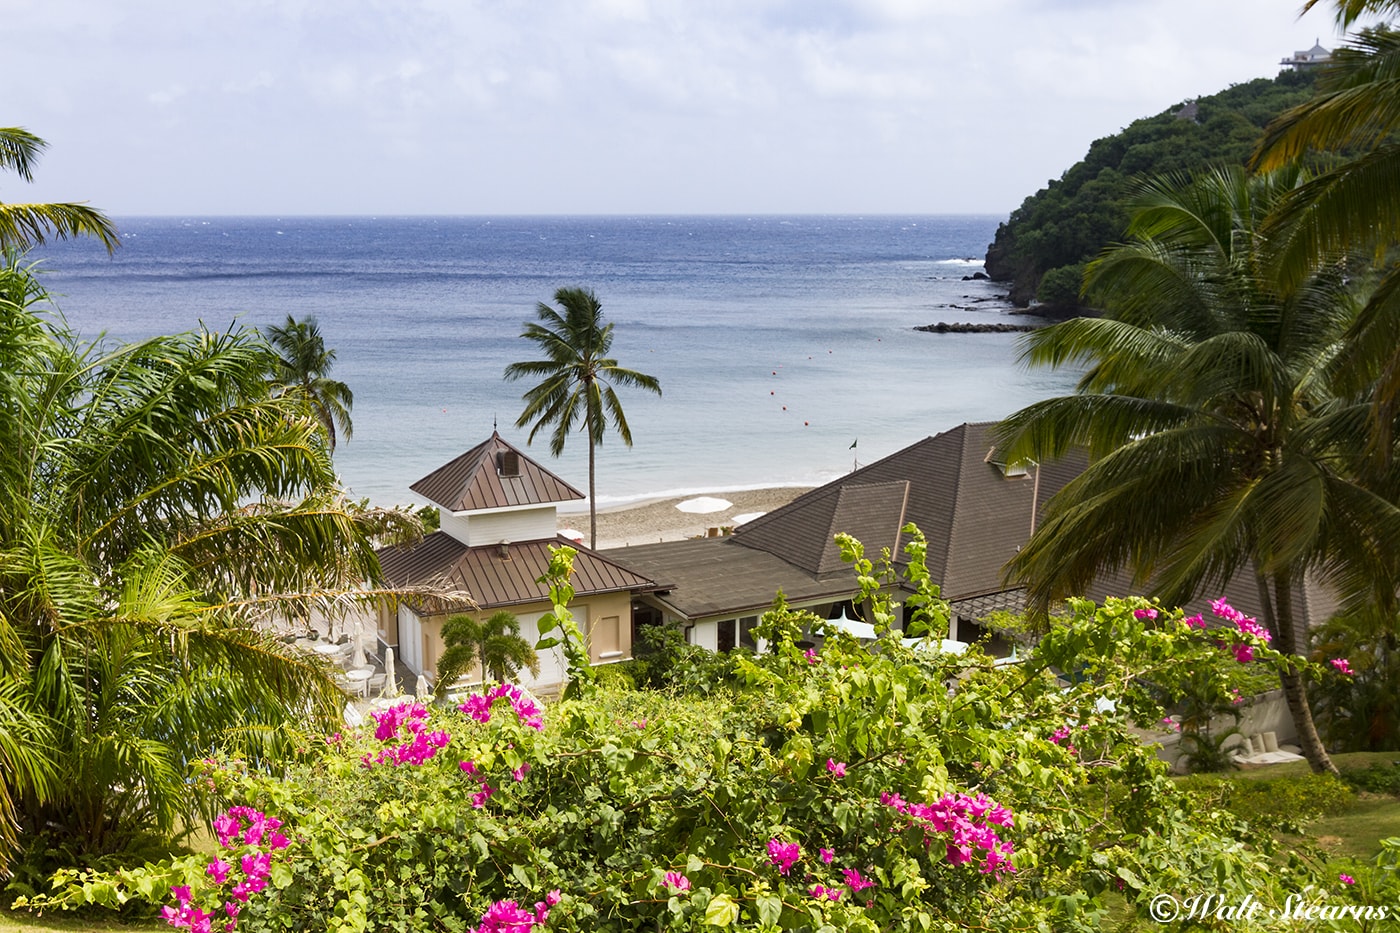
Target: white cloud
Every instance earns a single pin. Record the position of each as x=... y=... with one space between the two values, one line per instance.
x=608 y=105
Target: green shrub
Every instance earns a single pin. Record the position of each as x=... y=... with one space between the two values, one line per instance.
x=1377 y=779
x=1284 y=803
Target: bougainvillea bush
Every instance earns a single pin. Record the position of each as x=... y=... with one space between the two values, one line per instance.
x=851 y=787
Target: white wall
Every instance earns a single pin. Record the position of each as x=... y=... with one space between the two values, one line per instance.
x=476 y=529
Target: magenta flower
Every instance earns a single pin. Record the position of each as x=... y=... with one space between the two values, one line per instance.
x=837 y=768
x=821 y=892
x=811 y=655
x=677 y=882
x=480 y=797
x=1346 y=879
x=218 y=870
x=1343 y=665
x=510 y=917
x=181 y=893
x=1194 y=621
x=784 y=855
x=826 y=855
x=855 y=882
x=1144 y=613
x=520 y=772
x=1060 y=735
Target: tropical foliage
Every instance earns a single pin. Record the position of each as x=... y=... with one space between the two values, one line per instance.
x=1224 y=450
x=576 y=376
x=154 y=500
x=301 y=369
x=493 y=645
x=26 y=225
x=841 y=789
x=1041 y=250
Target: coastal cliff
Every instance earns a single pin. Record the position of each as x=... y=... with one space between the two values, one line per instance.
x=1040 y=251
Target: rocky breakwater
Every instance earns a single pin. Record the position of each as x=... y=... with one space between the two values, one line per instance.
x=945 y=328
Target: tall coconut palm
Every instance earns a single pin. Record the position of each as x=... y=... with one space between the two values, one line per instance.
x=26 y=225
x=1219 y=447
x=302 y=369
x=152 y=498
x=576 y=380
x=1355 y=204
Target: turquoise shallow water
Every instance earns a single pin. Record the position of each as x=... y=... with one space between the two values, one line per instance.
x=779 y=341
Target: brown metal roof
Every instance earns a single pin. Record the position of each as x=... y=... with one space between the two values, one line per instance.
x=502 y=575
x=476 y=481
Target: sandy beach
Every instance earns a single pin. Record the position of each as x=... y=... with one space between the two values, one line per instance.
x=656 y=520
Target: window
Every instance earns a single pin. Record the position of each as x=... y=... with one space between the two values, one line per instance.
x=507 y=463
x=726 y=636
x=746 y=626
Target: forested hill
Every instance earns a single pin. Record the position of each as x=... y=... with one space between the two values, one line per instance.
x=1042 y=248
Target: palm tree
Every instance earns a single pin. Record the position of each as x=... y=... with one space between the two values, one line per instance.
x=302 y=369
x=576 y=388
x=26 y=225
x=494 y=643
x=1219 y=447
x=154 y=499
x=1355 y=205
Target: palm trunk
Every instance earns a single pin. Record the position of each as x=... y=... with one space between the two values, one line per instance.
x=1278 y=616
x=592 y=499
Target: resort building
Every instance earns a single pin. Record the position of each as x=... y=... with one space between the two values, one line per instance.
x=975 y=509
x=498 y=522
x=1309 y=58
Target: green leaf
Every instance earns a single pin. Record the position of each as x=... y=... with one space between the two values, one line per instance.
x=770 y=908
x=722 y=911
x=281 y=875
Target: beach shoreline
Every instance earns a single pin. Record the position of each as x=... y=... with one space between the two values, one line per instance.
x=650 y=520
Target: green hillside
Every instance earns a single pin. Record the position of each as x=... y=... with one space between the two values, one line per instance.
x=1042 y=248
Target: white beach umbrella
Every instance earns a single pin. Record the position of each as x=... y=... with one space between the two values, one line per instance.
x=391 y=683
x=704 y=504
x=357 y=657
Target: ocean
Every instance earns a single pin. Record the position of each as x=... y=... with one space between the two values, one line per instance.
x=785 y=346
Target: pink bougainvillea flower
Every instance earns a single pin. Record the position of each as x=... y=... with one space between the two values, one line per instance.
x=1060 y=735
x=826 y=855
x=520 y=772
x=1144 y=613
x=639 y=723
x=1346 y=879
x=1343 y=665
x=823 y=893
x=855 y=882
x=677 y=882
x=1194 y=621
x=784 y=855
x=811 y=655
x=510 y=917
x=480 y=797
x=218 y=870
x=837 y=768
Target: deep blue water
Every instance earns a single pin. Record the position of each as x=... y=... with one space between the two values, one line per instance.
x=779 y=341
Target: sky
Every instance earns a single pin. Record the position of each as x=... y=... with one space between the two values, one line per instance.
x=390 y=107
